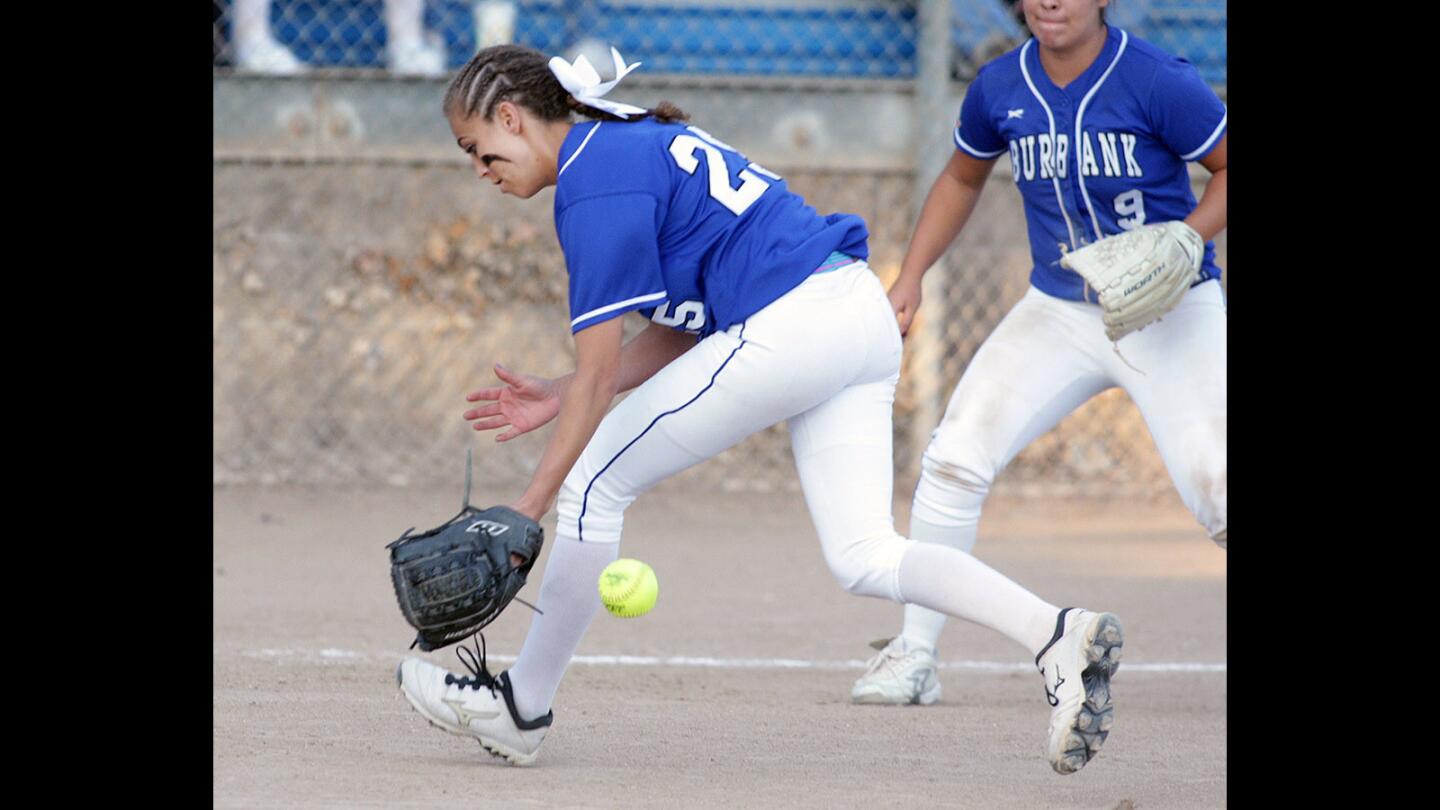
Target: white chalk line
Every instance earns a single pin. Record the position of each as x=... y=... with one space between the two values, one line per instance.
x=703 y=662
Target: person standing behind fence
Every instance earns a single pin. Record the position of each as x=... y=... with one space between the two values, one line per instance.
x=1099 y=126
x=760 y=310
x=409 y=49
x=256 y=47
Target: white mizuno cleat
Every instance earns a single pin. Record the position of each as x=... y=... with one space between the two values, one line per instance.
x=476 y=705
x=1077 y=666
x=896 y=676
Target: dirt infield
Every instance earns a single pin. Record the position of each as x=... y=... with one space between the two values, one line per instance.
x=735 y=689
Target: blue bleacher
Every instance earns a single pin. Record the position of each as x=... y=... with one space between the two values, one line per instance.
x=1194 y=29
x=874 y=40
x=974 y=21
x=855 y=40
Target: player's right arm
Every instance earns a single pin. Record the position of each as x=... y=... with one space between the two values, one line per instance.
x=613 y=259
x=586 y=399
x=947 y=208
x=525 y=402
x=599 y=356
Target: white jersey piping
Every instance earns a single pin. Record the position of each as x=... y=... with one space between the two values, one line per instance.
x=580 y=148
x=640 y=299
x=1054 y=169
x=1204 y=147
x=1079 y=117
x=976 y=153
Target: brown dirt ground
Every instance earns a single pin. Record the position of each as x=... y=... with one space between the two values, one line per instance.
x=307 y=637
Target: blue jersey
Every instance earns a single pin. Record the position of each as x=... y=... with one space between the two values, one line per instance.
x=665 y=219
x=1137 y=114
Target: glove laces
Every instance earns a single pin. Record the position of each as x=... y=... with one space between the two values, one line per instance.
x=1114 y=344
x=1116 y=347
x=475 y=662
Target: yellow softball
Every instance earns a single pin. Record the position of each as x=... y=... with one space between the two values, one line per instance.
x=628 y=588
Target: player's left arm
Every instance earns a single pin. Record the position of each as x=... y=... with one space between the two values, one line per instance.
x=645 y=354
x=650 y=351
x=587 y=398
x=1209 y=217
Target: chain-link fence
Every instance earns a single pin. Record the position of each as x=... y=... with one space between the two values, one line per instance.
x=853 y=38
x=363 y=281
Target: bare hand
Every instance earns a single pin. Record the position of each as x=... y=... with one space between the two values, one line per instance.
x=524 y=403
x=905 y=300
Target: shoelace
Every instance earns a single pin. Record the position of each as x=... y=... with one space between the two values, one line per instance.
x=479 y=676
x=1053 y=698
x=883 y=658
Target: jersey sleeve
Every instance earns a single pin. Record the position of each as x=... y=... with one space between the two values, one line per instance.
x=1187 y=115
x=612 y=253
x=975 y=134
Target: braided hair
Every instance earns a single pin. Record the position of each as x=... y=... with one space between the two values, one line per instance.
x=522 y=76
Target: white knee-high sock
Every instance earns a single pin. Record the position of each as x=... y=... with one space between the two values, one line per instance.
x=947 y=512
x=569 y=600
x=923 y=625
x=951 y=581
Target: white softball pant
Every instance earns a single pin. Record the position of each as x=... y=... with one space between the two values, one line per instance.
x=825 y=356
x=1045 y=359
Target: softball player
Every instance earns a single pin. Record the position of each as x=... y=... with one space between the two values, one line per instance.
x=1099 y=127
x=760 y=310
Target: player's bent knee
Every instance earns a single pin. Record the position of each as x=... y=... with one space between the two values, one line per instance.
x=588 y=511
x=1202 y=475
x=567 y=507
x=1221 y=538
x=961 y=470
x=869 y=566
x=966 y=449
x=950 y=491
x=1211 y=504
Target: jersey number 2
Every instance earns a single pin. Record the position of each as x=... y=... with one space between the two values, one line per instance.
x=683 y=149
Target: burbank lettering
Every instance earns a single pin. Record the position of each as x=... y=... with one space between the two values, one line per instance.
x=1102 y=154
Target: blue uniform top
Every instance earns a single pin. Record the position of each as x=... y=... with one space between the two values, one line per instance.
x=1138 y=114
x=665 y=219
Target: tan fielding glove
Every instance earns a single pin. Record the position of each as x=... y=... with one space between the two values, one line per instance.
x=1140 y=274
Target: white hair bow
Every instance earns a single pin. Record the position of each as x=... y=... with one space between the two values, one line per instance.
x=583 y=82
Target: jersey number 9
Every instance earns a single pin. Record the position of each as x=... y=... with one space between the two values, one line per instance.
x=1130 y=209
